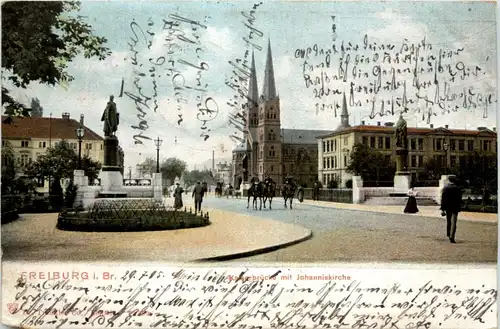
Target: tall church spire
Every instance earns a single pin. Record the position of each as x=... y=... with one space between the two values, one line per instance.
x=269 y=90
x=344 y=115
x=253 y=91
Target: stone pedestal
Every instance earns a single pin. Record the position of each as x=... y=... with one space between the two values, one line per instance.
x=358 y=195
x=111 y=181
x=402 y=182
x=157 y=185
x=111 y=162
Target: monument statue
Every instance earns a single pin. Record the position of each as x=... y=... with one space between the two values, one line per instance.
x=401 y=133
x=111 y=118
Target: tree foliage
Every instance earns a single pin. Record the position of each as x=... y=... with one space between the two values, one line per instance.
x=8 y=168
x=194 y=176
x=148 y=166
x=36 y=108
x=60 y=161
x=172 y=167
x=370 y=164
x=39 y=39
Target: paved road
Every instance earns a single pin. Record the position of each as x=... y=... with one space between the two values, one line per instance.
x=358 y=236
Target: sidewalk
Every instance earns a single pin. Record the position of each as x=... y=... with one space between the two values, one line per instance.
x=34 y=237
x=427 y=211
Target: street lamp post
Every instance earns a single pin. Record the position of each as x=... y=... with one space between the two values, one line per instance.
x=158 y=142
x=445 y=147
x=79 y=133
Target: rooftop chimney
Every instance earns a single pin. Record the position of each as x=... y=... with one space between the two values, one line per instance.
x=362 y=123
x=446 y=126
x=378 y=123
x=432 y=126
x=81 y=119
x=65 y=115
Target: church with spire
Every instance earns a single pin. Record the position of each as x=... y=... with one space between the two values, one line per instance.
x=268 y=149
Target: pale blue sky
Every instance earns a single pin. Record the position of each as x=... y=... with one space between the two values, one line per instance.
x=289 y=25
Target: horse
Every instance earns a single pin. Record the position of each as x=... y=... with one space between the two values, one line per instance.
x=228 y=191
x=269 y=191
x=288 y=191
x=218 y=190
x=256 y=191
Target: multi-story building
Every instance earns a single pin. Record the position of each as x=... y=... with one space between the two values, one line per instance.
x=223 y=173
x=30 y=137
x=448 y=147
x=269 y=149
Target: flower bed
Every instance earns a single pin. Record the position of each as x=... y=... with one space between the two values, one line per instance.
x=129 y=215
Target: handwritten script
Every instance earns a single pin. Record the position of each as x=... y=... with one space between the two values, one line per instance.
x=411 y=76
x=240 y=77
x=164 y=68
x=243 y=298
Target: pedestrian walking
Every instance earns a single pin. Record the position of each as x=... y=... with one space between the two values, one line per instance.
x=451 y=204
x=411 y=204
x=178 y=197
x=198 y=193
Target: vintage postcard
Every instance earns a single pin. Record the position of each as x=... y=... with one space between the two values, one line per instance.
x=245 y=164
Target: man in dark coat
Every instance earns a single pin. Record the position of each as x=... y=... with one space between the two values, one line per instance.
x=198 y=196
x=451 y=204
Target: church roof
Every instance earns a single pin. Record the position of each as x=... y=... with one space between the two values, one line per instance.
x=253 y=91
x=269 y=89
x=301 y=136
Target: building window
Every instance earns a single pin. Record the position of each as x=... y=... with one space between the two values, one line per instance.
x=328 y=162
x=25 y=144
x=335 y=145
x=470 y=146
x=42 y=144
x=324 y=146
x=387 y=142
x=272 y=153
x=324 y=163
x=365 y=140
x=272 y=168
x=25 y=159
x=437 y=145
x=372 y=142
x=413 y=160
x=380 y=143
x=452 y=144
x=260 y=168
x=421 y=144
x=461 y=145
x=421 y=161
x=328 y=146
x=88 y=146
x=413 y=144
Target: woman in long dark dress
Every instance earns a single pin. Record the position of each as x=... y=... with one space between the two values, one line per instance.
x=411 y=204
x=178 y=197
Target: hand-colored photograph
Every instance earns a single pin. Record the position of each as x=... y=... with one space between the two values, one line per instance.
x=245 y=132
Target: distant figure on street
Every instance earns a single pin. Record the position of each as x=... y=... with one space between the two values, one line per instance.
x=315 y=191
x=178 y=196
x=451 y=204
x=411 y=204
x=198 y=192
